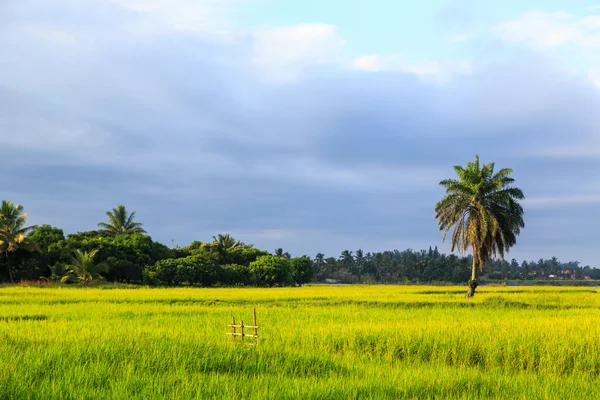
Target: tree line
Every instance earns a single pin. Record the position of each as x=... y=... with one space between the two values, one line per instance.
x=122 y=251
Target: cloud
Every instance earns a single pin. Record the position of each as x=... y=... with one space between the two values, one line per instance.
x=594 y=75
x=159 y=16
x=281 y=53
x=439 y=71
x=186 y=131
x=547 y=30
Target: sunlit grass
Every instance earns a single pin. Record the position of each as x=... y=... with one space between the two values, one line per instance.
x=316 y=342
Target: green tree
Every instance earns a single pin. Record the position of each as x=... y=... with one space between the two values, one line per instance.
x=302 y=269
x=83 y=267
x=120 y=222
x=13 y=232
x=271 y=270
x=483 y=207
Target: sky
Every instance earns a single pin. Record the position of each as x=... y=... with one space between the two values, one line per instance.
x=315 y=126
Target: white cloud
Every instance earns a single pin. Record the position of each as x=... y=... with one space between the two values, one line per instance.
x=282 y=52
x=195 y=16
x=546 y=30
x=440 y=71
x=594 y=75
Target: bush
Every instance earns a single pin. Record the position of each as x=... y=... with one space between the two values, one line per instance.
x=198 y=269
x=235 y=274
x=271 y=270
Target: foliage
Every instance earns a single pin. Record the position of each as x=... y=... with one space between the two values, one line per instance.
x=120 y=222
x=302 y=269
x=271 y=270
x=199 y=269
x=13 y=231
x=60 y=273
x=136 y=258
x=83 y=268
x=125 y=256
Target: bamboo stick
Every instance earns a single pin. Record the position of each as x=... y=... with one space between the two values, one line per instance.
x=255 y=327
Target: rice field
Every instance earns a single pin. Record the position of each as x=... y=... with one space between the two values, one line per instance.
x=318 y=342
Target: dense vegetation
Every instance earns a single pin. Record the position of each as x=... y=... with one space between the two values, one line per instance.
x=344 y=342
x=120 y=255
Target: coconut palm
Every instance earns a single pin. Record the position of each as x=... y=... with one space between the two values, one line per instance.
x=483 y=207
x=280 y=253
x=347 y=259
x=60 y=273
x=120 y=222
x=226 y=241
x=83 y=267
x=13 y=232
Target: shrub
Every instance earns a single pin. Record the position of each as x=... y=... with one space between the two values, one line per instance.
x=271 y=270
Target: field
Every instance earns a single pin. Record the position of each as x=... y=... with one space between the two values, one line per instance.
x=316 y=342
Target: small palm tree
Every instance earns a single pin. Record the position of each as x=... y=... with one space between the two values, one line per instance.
x=13 y=232
x=61 y=273
x=120 y=222
x=83 y=267
x=484 y=209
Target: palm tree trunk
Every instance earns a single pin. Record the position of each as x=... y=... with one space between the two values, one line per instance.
x=472 y=285
x=9 y=271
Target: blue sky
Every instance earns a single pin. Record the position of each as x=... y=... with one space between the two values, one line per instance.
x=312 y=126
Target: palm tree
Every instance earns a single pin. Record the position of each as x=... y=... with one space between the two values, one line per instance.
x=331 y=265
x=83 y=267
x=484 y=209
x=13 y=232
x=347 y=259
x=280 y=253
x=319 y=261
x=59 y=273
x=359 y=262
x=226 y=241
x=121 y=223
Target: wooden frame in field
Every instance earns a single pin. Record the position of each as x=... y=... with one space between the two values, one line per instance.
x=242 y=334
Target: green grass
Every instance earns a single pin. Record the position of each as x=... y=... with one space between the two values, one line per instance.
x=351 y=342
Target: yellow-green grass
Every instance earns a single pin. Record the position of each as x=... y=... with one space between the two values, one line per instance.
x=319 y=342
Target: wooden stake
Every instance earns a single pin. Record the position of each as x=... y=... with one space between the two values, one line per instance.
x=233 y=327
x=255 y=325
x=242 y=326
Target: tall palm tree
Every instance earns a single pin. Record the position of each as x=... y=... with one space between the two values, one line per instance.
x=319 y=261
x=347 y=259
x=13 y=232
x=84 y=268
x=483 y=207
x=120 y=222
x=359 y=262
